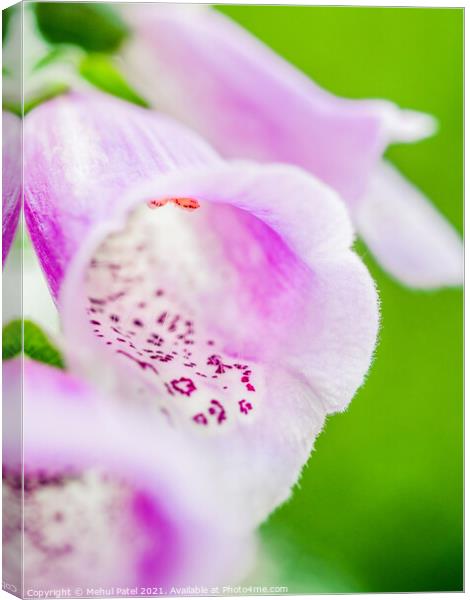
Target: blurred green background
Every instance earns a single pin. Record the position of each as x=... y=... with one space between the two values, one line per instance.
x=380 y=505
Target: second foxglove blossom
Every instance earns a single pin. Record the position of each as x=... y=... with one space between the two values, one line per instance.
x=248 y=102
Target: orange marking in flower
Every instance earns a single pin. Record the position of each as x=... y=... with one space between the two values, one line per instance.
x=157 y=203
x=184 y=203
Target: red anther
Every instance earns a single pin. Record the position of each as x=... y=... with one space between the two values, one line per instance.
x=186 y=203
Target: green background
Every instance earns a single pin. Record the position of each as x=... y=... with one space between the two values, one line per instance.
x=379 y=506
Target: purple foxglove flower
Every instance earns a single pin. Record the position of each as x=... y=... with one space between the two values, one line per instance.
x=106 y=502
x=221 y=299
x=11 y=170
x=248 y=102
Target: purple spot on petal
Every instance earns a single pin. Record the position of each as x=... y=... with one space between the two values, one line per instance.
x=184 y=386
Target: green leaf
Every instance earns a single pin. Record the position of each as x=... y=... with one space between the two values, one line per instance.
x=6 y=17
x=11 y=339
x=100 y=71
x=96 y=27
x=36 y=343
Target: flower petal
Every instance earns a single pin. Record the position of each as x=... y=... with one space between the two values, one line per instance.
x=11 y=170
x=71 y=144
x=412 y=241
x=221 y=299
x=222 y=328
x=248 y=102
x=101 y=509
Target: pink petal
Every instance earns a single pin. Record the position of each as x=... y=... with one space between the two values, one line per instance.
x=71 y=144
x=242 y=322
x=412 y=241
x=248 y=102
x=106 y=502
x=11 y=171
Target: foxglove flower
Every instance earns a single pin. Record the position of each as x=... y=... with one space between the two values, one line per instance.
x=11 y=170
x=220 y=299
x=106 y=502
x=248 y=102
